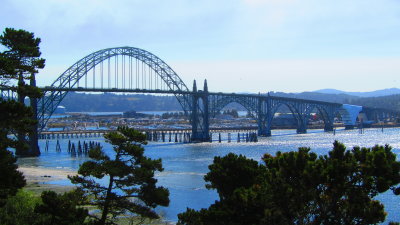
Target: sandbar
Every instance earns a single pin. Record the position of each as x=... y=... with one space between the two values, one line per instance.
x=38 y=178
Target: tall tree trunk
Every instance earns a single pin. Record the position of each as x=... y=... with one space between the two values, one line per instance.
x=107 y=202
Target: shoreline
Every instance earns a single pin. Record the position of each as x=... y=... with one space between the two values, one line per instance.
x=37 y=179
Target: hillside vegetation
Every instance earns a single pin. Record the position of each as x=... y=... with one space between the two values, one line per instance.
x=391 y=102
x=81 y=102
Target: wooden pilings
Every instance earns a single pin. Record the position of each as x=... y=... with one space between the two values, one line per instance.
x=73 y=148
x=153 y=136
x=185 y=137
x=81 y=148
x=157 y=136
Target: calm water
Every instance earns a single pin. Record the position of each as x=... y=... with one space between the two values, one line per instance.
x=186 y=164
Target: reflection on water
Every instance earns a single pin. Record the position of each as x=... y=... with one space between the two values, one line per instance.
x=186 y=164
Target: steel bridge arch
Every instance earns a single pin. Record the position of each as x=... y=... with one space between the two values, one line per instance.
x=249 y=103
x=276 y=104
x=327 y=112
x=48 y=104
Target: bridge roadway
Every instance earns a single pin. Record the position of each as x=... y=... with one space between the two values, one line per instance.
x=134 y=70
x=203 y=104
x=255 y=103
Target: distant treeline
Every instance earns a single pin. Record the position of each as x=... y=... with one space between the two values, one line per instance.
x=385 y=102
x=81 y=102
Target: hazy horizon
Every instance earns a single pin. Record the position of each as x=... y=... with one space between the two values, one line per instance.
x=255 y=45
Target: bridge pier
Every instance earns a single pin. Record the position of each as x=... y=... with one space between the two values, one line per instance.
x=261 y=123
x=302 y=125
x=329 y=119
x=200 y=115
x=264 y=117
x=328 y=127
x=264 y=130
x=301 y=130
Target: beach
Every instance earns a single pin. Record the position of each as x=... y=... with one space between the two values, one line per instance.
x=39 y=179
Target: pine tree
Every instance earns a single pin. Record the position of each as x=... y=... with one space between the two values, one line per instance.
x=10 y=178
x=300 y=188
x=130 y=183
x=20 y=61
x=60 y=209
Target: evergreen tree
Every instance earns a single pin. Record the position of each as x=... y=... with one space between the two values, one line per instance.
x=19 y=209
x=129 y=175
x=20 y=61
x=14 y=118
x=48 y=209
x=300 y=188
x=10 y=178
x=60 y=209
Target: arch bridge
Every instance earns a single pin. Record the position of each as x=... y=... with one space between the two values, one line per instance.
x=134 y=70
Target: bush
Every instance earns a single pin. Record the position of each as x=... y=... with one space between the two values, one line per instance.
x=300 y=188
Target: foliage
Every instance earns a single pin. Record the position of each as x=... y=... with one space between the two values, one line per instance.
x=300 y=188
x=19 y=209
x=51 y=208
x=15 y=117
x=384 y=102
x=129 y=177
x=19 y=61
x=391 y=102
x=81 y=102
x=60 y=209
x=108 y=102
x=21 y=57
x=10 y=178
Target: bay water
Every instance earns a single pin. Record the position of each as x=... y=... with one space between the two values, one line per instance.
x=186 y=164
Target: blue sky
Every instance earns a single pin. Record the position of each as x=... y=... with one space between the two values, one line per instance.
x=237 y=45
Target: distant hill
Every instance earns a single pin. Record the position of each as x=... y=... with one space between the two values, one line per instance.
x=384 y=102
x=81 y=102
x=391 y=102
x=330 y=91
x=337 y=98
x=378 y=93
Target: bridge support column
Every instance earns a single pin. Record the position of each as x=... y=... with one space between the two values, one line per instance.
x=269 y=117
x=200 y=115
x=302 y=125
x=262 y=129
x=301 y=130
x=34 y=136
x=329 y=119
x=263 y=120
x=328 y=127
x=349 y=127
x=28 y=145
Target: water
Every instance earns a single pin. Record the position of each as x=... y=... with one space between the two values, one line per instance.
x=186 y=164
